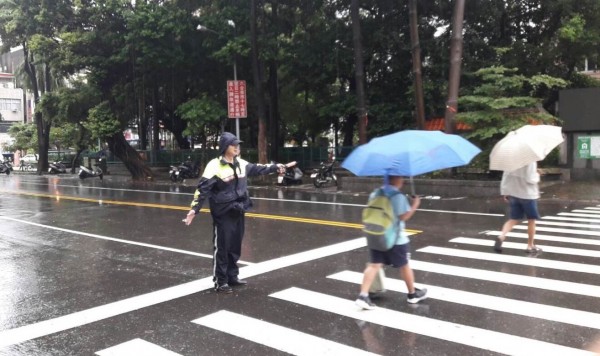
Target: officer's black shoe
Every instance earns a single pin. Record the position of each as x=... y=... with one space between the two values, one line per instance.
x=223 y=288
x=238 y=282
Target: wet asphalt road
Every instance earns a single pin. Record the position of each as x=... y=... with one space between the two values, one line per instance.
x=108 y=268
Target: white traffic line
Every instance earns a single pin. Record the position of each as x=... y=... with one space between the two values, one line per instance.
x=523 y=235
x=274 y=336
x=478 y=300
x=101 y=237
x=508 y=278
x=562 y=231
x=523 y=246
x=525 y=261
x=439 y=329
x=51 y=326
x=590 y=212
x=561 y=218
x=136 y=347
x=580 y=215
x=567 y=224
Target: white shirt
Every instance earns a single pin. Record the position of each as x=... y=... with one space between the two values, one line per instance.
x=521 y=183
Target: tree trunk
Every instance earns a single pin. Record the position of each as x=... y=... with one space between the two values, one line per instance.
x=348 y=130
x=142 y=123
x=361 y=109
x=32 y=75
x=416 y=58
x=456 y=47
x=156 y=115
x=44 y=144
x=274 y=115
x=258 y=80
x=176 y=127
x=129 y=156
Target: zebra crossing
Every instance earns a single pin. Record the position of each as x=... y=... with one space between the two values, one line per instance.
x=578 y=229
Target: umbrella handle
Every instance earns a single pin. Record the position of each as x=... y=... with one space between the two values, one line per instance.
x=412 y=186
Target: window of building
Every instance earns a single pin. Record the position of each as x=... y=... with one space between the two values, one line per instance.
x=10 y=104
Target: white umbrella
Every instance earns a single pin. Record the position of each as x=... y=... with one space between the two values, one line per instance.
x=528 y=144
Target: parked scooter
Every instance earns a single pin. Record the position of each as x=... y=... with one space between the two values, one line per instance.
x=57 y=167
x=185 y=170
x=292 y=176
x=5 y=167
x=324 y=175
x=85 y=172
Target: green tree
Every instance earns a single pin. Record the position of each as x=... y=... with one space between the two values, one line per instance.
x=24 y=136
x=34 y=25
x=204 y=116
x=68 y=108
x=501 y=100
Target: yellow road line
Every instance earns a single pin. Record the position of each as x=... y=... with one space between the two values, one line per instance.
x=185 y=208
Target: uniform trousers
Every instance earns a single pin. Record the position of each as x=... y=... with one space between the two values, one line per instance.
x=228 y=231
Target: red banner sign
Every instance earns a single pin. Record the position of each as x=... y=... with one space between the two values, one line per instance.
x=236 y=99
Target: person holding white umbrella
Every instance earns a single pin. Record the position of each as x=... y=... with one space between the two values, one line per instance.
x=517 y=155
x=520 y=189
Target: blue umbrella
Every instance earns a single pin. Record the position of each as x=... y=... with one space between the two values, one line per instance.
x=410 y=153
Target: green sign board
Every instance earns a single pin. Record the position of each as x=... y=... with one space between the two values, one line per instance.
x=588 y=147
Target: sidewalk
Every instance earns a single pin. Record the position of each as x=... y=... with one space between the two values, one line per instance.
x=588 y=191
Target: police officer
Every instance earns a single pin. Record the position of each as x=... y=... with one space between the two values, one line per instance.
x=225 y=184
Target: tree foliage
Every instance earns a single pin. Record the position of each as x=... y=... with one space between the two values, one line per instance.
x=501 y=100
x=150 y=68
x=24 y=137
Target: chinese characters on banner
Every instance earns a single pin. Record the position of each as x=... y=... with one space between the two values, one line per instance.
x=236 y=99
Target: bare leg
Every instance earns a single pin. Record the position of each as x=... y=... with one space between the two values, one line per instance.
x=368 y=276
x=406 y=273
x=507 y=227
x=530 y=233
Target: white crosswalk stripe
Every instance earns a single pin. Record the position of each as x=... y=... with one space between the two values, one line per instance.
x=592 y=216
x=508 y=278
x=274 y=336
x=463 y=334
x=574 y=240
x=523 y=246
x=571 y=218
x=563 y=231
x=136 y=347
x=525 y=261
x=513 y=306
x=563 y=218
x=591 y=212
x=553 y=223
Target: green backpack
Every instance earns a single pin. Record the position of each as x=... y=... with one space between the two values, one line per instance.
x=378 y=220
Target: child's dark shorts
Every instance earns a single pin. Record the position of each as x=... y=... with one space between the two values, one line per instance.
x=397 y=256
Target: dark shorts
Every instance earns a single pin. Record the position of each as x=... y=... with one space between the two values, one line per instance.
x=397 y=257
x=520 y=208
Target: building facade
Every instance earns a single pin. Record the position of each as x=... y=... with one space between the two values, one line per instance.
x=16 y=104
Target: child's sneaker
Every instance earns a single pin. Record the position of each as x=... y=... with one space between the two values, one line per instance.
x=364 y=303
x=417 y=296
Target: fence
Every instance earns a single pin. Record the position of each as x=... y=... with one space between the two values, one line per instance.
x=305 y=156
